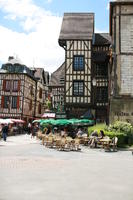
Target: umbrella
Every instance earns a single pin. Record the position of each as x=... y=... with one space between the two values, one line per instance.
x=6 y=121
x=58 y=122
x=37 y=121
x=82 y=122
x=2 y=121
x=46 y=121
x=18 y=120
x=61 y=122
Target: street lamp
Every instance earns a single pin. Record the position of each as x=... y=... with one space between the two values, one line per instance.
x=94 y=82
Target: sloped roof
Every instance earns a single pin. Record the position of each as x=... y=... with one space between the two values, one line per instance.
x=41 y=75
x=57 y=76
x=38 y=72
x=77 y=26
x=102 y=39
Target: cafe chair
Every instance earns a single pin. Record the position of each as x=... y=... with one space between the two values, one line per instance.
x=113 y=143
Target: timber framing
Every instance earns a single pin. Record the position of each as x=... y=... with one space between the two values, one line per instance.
x=86 y=60
x=21 y=91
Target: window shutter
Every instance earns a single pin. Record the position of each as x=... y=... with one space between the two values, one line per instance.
x=2 y=102
x=18 y=102
x=4 y=85
x=19 y=85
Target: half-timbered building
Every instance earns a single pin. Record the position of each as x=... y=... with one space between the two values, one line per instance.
x=76 y=38
x=20 y=91
x=121 y=31
x=86 y=66
x=56 y=88
x=100 y=75
x=41 y=91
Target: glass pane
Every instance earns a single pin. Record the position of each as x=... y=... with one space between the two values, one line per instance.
x=78 y=63
x=14 y=102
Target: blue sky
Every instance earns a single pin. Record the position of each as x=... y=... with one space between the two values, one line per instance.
x=30 y=28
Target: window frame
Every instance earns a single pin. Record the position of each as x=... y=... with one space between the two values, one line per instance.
x=78 y=93
x=31 y=90
x=10 y=84
x=30 y=105
x=39 y=108
x=5 y=104
x=99 y=95
x=14 y=103
x=13 y=88
x=40 y=93
x=101 y=69
x=77 y=64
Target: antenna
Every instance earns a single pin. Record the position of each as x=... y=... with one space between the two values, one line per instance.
x=33 y=62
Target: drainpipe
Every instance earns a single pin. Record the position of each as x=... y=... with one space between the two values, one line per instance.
x=35 y=99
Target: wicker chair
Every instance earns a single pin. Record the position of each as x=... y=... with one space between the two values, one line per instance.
x=113 y=143
x=63 y=144
x=76 y=144
x=58 y=143
x=50 y=141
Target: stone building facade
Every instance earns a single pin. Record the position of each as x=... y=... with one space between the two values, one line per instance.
x=121 y=73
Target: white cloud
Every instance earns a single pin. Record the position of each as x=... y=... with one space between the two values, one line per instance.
x=101 y=31
x=38 y=43
x=49 y=1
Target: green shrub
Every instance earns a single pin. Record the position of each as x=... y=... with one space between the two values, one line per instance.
x=123 y=127
x=122 y=130
x=97 y=127
x=122 y=138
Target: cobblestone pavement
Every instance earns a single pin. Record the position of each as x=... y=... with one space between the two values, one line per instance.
x=29 y=171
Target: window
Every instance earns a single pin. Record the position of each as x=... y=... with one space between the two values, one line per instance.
x=31 y=90
x=14 y=102
x=102 y=94
x=7 y=85
x=101 y=69
x=62 y=81
x=6 y=102
x=15 y=86
x=40 y=93
x=78 y=63
x=78 y=88
x=39 y=109
x=30 y=105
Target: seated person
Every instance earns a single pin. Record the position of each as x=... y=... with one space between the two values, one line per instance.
x=101 y=135
x=94 y=134
x=55 y=130
x=64 y=132
x=93 y=139
x=48 y=130
x=79 y=133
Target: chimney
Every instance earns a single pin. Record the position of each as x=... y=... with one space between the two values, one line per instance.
x=10 y=58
